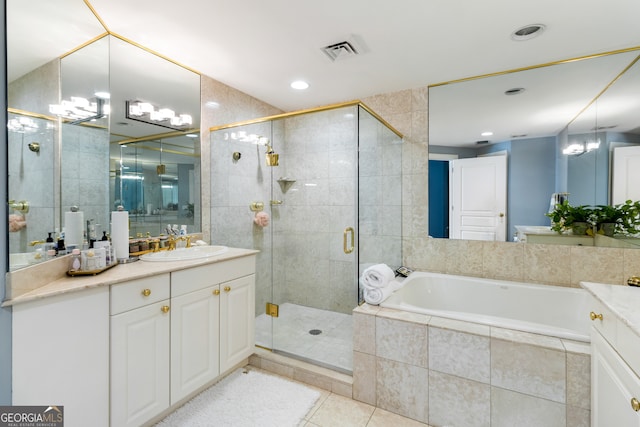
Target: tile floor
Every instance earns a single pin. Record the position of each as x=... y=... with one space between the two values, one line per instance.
x=332 y=348
x=334 y=410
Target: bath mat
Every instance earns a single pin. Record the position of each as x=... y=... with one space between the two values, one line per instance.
x=246 y=398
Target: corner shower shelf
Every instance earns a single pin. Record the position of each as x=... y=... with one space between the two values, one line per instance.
x=286 y=183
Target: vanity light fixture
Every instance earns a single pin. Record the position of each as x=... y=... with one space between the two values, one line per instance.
x=22 y=125
x=581 y=148
x=527 y=32
x=488 y=133
x=80 y=110
x=147 y=113
x=299 y=85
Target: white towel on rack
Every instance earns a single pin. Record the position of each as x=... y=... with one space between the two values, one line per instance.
x=378 y=276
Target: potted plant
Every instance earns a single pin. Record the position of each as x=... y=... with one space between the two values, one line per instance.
x=566 y=217
x=608 y=219
x=630 y=217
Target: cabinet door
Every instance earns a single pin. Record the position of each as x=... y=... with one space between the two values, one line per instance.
x=195 y=324
x=237 y=321
x=61 y=355
x=139 y=364
x=614 y=385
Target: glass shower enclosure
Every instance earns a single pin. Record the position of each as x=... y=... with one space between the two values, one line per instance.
x=329 y=183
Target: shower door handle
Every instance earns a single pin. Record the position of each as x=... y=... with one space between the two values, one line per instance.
x=352 y=232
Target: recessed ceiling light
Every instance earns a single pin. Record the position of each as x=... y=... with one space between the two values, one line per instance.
x=527 y=32
x=514 y=91
x=300 y=85
x=191 y=135
x=486 y=134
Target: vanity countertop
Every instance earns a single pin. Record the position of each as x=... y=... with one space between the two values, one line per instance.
x=623 y=301
x=121 y=273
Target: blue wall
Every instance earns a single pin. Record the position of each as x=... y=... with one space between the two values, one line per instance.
x=532 y=180
x=5 y=313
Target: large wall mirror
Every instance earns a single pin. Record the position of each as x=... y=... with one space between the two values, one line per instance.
x=558 y=125
x=100 y=123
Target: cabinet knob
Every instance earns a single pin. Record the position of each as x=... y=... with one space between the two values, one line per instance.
x=595 y=316
x=216 y=291
x=146 y=292
x=227 y=288
x=635 y=404
x=165 y=309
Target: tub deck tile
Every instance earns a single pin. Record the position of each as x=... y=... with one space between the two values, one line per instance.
x=460 y=326
x=527 y=338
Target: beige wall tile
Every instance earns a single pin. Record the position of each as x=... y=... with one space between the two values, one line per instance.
x=455 y=401
x=464 y=257
x=509 y=409
x=364 y=333
x=600 y=265
x=529 y=369
x=402 y=389
x=503 y=260
x=461 y=354
x=364 y=377
x=631 y=264
x=547 y=264
x=579 y=380
x=402 y=341
x=578 y=417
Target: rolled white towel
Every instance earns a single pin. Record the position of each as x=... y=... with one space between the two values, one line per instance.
x=378 y=276
x=375 y=296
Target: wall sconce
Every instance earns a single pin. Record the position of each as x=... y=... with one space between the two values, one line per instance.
x=147 y=113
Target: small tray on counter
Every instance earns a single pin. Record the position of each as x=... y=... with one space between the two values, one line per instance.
x=89 y=272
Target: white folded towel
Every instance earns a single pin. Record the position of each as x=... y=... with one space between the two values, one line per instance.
x=375 y=296
x=378 y=276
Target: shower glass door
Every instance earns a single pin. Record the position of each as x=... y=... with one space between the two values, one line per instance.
x=334 y=201
x=315 y=254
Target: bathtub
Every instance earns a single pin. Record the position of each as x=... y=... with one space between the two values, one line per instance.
x=540 y=309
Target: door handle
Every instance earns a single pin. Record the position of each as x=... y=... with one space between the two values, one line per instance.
x=352 y=232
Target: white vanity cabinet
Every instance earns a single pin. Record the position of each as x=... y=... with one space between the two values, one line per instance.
x=140 y=321
x=615 y=387
x=60 y=352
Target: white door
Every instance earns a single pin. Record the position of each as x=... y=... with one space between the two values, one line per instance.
x=195 y=324
x=139 y=364
x=237 y=321
x=478 y=198
x=626 y=174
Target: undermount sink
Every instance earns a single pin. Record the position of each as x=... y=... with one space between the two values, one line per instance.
x=183 y=254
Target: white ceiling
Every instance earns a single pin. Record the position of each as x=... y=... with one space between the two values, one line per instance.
x=259 y=47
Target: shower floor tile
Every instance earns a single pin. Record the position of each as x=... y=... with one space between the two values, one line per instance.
x=332 y=347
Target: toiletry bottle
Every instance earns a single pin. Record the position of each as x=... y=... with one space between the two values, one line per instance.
x=74 y=264
x=61 y=250
x=49 y=244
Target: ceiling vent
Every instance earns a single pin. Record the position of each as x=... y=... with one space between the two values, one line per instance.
x=340 y=51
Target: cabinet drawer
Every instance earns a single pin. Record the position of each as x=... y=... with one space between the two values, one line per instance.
x=607 y=326
x=138 y=293
x=196 y=278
